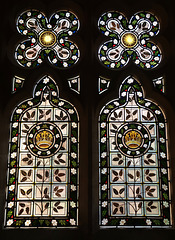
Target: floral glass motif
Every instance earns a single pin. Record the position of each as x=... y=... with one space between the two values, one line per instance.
x=47 y=39
x=134 y=164
x=129 y=40
x=42 y=189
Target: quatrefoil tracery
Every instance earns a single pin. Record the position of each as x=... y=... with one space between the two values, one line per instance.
x=47 y=39
x=129 y=40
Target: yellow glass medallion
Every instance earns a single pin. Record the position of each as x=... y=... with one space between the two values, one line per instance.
x=129 y=40
x=133 y=139
x=44 y=139
x=47 y=38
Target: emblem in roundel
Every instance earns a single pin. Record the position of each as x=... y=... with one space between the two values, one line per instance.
x=133 y=139
x=44 y=140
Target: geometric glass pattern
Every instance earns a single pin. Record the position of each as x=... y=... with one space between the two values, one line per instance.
x=74 y=84
x=134 y=163
x=17 y=83
x=42 y=187
x=159 y=84
x=47 y=39
x=129 y=40
x=103 y=84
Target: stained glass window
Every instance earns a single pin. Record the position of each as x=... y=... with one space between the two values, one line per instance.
x=74 y=84
x=47 y=39
x=42 y=184
x=103 y=84
x=159 y=84
x=17 y=83
x=129 y=40
x=134 y=163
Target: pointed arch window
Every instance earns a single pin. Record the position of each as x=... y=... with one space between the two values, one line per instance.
x=43 y=161
x=134 y=164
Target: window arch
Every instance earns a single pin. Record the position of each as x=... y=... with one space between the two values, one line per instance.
x=43 y=161
x=134 y=165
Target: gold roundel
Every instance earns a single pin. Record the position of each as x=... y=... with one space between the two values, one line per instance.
x=44 y=139
x=129 y=40
x=133 y=139
x=47 y=38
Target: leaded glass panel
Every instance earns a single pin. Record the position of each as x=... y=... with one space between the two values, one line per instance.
x=42 y=186
x=47 y=39
x=129 y=40
x=134 y=164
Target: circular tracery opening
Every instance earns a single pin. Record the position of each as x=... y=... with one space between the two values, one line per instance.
x=129 y=40
x=47 y=38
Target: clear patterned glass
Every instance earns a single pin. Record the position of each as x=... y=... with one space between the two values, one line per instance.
x=134 y=164
x=42 y=188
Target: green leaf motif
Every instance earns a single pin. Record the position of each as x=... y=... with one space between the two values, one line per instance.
x=142 y=65
x=102 y=53
x=74 y=179
x=165 y=196
x=55 y=100
x=43 y=22
x=153 y=63
x=31 y=34
x=41 y=222
x=13 y=147
x=152 y=19
x=103 y=132
x=103 y=29
x=106 y=62
x=74 y=163
x=14 y=132
x=104 y=212
x=47 y=51
x=118 y=65
x=134 y=22
x=124 y=23
x=62 y=222
x=142 y=15
x=12 y=164
x=129 y=52
x=103 y=163
x=20 y=222
x=20 y=51
x=74 y=133
x=11 y=180
x=114 y=222
x=21 y=27
x=165 y=180
x=62 y=14
x=149 y=45
x=110 y=106
x=47 y=222
x=104 y=17
x=67 y=44
x=9 y=213
x=156 y=222
x=145 y=36
x=104 y=195
x=113 y=35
